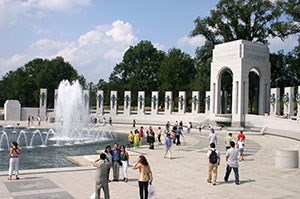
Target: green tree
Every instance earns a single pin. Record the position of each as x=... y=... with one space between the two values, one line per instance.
x=291 y=9
x=203 y=60
x=238 y=19
x=176 y=73
x=137 y=71
x=25 y=83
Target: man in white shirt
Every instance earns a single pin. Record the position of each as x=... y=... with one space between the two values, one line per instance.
x=232 y=163
x=212 y=137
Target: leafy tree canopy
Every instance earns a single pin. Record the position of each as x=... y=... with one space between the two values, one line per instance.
x=24 y=83
x=138 y=69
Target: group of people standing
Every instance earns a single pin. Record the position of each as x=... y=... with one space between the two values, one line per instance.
x=117 y=158
x=234 y=154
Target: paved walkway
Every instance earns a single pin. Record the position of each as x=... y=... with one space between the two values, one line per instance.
x=182 y=177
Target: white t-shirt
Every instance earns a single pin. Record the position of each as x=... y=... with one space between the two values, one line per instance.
x=232 y=155
x=212 y=138
x=241 y=144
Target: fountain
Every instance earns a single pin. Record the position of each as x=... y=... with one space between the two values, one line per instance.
x=74 y=135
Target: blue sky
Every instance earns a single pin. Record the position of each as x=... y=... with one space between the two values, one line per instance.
x=93 y=34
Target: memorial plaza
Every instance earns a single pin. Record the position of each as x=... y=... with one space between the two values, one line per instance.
x=270 y=168
x=184 y=176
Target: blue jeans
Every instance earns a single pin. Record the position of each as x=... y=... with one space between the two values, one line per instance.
x=236 y=173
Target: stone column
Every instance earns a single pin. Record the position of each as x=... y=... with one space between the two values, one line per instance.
x=43 y=103
x=127 y=102
x=141 y=102
x=168 y=102
x=181 y=102
x=100 y=99
x=288 y=101
x=298 y=102
x=195 y=102
x=55 y=98
x=275 y=102
x=113 y=102
x=154 y=103
x=86 y=97
x=207 y=102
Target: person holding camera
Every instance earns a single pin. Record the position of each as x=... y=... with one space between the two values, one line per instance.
x=145 y=175
x=101 y=176
x=14 y=154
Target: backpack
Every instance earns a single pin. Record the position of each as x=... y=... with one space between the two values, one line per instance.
x=213 y=158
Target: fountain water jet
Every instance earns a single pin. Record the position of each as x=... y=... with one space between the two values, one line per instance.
x=71 y=111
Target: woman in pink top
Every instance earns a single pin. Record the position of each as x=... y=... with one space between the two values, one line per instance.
x=14 y=153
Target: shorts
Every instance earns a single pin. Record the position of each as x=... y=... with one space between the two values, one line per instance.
x=241 y=150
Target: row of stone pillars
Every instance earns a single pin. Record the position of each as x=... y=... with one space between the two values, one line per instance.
x=168 y=109
x=289 y=97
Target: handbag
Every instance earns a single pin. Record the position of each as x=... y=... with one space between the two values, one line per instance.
x=151 y=191
x=120 y=163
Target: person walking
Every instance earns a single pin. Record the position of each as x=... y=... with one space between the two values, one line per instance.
x=159 y=135
x=136 y=139
x=241 y=147
x=110 y=121
x=168 y=143
x=101 y=177
x=178 y=132
x=124 y=157
x=232 y=163
x=14 y=154
x=141 y=135
x=133 y=123
x=151 y=139
x=241 y=136
x=168 y=126
x=227 y=141
x=130 y=139
x=212 y=136
x=189 y=126
x=213 y=163
x=145 y=176
x=115 y=153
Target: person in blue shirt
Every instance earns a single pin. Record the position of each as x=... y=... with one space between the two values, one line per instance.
x=168 y=143
x=115 y=153
x=178 y=132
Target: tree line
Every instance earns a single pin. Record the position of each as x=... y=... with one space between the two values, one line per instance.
x=145 y=68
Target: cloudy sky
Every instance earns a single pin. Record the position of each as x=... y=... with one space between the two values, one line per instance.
x=93 y=34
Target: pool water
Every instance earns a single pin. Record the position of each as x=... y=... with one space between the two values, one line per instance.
x=56 y=156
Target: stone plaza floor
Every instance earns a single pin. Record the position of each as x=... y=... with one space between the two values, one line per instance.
x=184 y=176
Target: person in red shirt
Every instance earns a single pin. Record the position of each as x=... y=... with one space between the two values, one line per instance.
x=241 y=136
x=141 y=134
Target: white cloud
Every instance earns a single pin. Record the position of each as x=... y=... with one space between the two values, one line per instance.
x=58 y=4
x=287 y=45
x=93 y=54
x=159 y=46
x=191 y=41
x=121 y=32
x=13 y=11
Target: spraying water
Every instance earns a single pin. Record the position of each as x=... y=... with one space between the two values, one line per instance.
x=71 y=110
